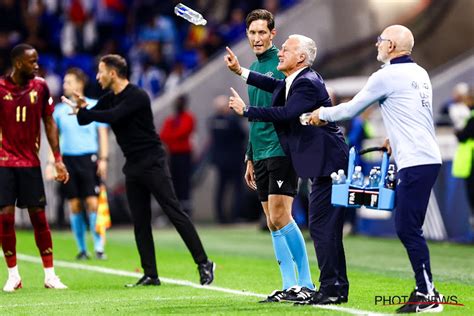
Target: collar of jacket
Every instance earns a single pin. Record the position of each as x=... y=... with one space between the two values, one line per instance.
x=268 y=54
x=402 y=59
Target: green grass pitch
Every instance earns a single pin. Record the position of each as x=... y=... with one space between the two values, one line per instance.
x=245 y=263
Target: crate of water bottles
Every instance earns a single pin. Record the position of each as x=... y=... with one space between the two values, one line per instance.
x=354 y=190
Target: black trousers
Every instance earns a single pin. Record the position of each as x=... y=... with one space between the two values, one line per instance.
x=413 y=195
x=325 y=225
x=151 y=176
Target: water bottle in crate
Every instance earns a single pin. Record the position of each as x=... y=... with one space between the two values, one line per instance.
x=378 y=194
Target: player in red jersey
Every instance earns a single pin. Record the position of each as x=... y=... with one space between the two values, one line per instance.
x=24 y=101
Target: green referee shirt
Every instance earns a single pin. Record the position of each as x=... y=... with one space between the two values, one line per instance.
x=263 y=139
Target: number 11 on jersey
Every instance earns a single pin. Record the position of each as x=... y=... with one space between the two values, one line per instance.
x=21 y=113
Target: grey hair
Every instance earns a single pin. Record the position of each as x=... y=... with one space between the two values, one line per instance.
x=307 y=47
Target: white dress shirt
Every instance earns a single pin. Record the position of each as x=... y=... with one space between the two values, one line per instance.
x=289 y=80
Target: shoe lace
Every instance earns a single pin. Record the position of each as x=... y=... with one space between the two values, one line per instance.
x=294 y=289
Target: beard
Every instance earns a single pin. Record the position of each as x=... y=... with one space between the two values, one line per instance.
x=29 y=75
x=105 y=85
x=382 y=58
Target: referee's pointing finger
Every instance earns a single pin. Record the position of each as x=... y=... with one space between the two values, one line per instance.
x=231 y=53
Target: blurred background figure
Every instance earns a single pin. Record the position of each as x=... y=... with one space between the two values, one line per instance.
x=79 y=33
x=176 y=134
x=459 y=110
x=12 y=28
x=463 y=160
x=176 y=76
x=85 y=153
x=228 y=141
x=455 y=111
x=149 y=77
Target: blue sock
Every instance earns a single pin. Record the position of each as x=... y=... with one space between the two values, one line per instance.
x=294 y=238
x=98 y=245
x=285 y=261
x=78 y=226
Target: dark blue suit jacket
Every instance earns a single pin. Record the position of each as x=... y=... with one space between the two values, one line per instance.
x=314 y=151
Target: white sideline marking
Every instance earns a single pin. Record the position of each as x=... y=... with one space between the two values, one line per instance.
x=78 y=266
x=102 y=301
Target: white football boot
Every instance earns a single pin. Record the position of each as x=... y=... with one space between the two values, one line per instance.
x=13 y=283
x=53 y=282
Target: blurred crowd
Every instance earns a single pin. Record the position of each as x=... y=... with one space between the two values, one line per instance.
x=162 y=49
x=458 y=113
x=456 y=110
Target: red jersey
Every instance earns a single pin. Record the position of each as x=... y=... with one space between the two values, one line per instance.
x=21 y=110
x=176 y=133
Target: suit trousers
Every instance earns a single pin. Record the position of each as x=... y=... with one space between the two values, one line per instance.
x=325 y=224
x=151 y=176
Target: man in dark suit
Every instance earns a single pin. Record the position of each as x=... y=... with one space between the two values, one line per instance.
x=314 y=153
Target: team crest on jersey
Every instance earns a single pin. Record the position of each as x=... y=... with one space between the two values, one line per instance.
x=269 y=74
x=33 y=96
x=8 y=97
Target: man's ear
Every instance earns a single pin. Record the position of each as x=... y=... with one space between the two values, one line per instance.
x=113 y=73
x=301 y=58
x=17 y=63
x=392 y=46
x=272 y=34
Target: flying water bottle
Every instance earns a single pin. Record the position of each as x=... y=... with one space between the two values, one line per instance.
x=357 y=177
x=189 y=14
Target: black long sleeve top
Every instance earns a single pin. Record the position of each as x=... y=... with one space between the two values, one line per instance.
x=467 y=132
x=131 y=119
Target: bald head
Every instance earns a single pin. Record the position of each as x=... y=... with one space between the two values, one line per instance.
x=395 y=41
x=402 y=38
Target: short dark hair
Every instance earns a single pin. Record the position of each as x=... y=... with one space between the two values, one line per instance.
x=117 y=62
x=19 y=50
x=80 y=75
x=260 y=14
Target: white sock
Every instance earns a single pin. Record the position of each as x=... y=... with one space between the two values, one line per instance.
x=49 y=272
x=13 y=272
